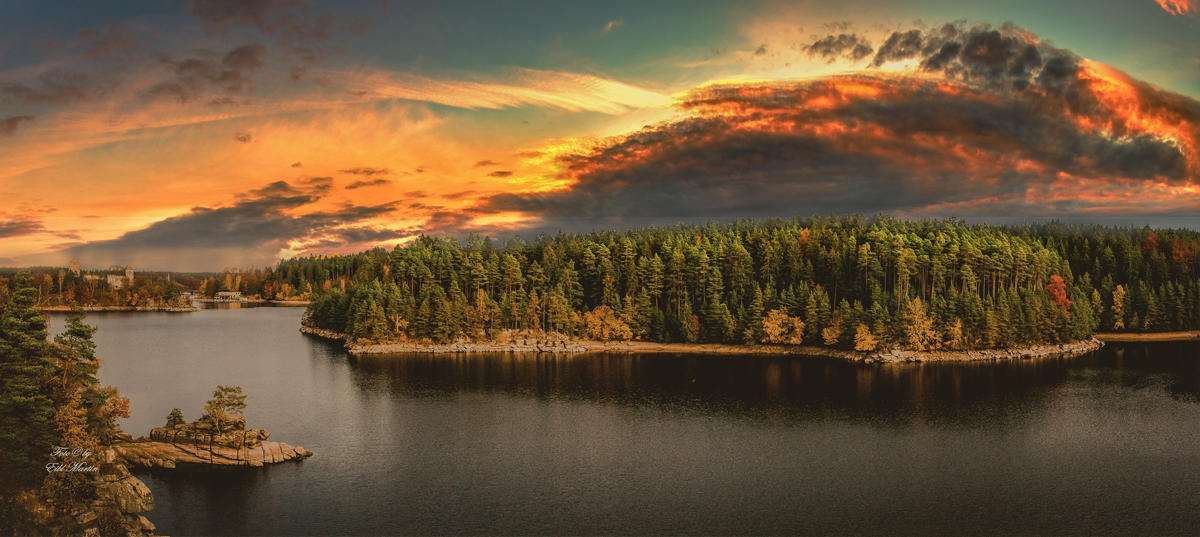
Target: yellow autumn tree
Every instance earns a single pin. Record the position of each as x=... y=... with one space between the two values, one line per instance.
x=834 y=330
x=779 y=328
x=601 y=324
x=1118 y=314
x=954 y=335
x=863 y=340
x=69 y=480
x=919 y=327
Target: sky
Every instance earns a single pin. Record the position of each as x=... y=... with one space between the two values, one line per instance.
x=208 y=134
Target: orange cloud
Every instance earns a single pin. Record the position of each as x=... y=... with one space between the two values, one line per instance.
x=1178 y=7
x=994 y=123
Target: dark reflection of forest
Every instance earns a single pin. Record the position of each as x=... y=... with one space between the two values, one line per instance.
x=953 y=394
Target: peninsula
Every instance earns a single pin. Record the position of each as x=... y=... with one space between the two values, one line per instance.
x=864 y=289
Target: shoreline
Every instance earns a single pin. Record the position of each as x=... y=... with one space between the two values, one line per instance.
x=123 y=308
x=534 y=345
x=1129 y=337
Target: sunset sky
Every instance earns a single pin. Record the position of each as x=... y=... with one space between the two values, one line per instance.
x=204 y=134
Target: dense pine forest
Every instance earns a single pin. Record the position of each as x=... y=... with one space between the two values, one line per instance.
x=50 y=396
x=845 y=282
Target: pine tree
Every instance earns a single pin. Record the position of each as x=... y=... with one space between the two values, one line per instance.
x=175 y=418
x=27 y=411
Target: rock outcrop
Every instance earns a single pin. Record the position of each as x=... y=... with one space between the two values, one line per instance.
x=119 y=498
x=201 y=443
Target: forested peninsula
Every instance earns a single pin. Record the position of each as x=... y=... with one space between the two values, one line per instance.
x=847 y=283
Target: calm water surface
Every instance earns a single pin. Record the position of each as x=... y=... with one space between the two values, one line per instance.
x=1103 y=444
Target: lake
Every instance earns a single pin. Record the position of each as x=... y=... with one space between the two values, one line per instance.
x=1107 y=443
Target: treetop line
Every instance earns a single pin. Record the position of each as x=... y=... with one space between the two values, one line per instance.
x=840 y=282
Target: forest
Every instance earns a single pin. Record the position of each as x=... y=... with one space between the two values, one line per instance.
x=57 y=286
x=847 y=282
x=50 y=397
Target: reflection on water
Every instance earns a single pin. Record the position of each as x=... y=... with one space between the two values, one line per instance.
x=204 y=305
x=798 y=388
x=664 y=444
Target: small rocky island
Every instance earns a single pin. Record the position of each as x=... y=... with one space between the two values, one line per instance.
x=202 y=442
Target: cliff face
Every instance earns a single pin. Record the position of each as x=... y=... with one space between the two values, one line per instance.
x=119 y=497
x=201 y=443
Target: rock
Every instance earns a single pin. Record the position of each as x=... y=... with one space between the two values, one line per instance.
x=146 y=524
x=125 y=492
x=202 y=443
x=85 y=517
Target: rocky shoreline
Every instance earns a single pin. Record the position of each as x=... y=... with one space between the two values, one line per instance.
x=200 y=443
x=560 y=345
x=1130 y=337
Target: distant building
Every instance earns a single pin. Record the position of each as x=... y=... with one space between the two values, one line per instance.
x=233 y=296
x=75 y=267
x=117 y=281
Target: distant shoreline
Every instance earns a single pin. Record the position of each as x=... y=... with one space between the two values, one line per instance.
x=123 y=308
x=533 y=345
x=1124 y=337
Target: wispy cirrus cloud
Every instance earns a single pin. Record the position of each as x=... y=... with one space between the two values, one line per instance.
x=568 y=91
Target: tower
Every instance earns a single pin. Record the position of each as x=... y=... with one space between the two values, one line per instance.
x=129 y=273
x=75 y=267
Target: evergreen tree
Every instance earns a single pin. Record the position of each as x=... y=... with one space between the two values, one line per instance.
x=28 y=428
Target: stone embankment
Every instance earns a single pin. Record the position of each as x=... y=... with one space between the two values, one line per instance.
x=556 y=343
x=201 y=443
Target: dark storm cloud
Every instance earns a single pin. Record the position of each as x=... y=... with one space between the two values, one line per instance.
x=1015 y=127
x=195 y=76
x=832 y=48
x=485 y=163
x=501 y=173
x=1006 y=56
x=415 y=194
x=55 y=88
x=276 y=189
x=243 y=137
x=19 y=227
x=367 y=171
x=8 y=125
x=25 y=225
x=298 y=34
x=361 y=184
x=246 y=57
x=341 y=238
x=252 y=230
